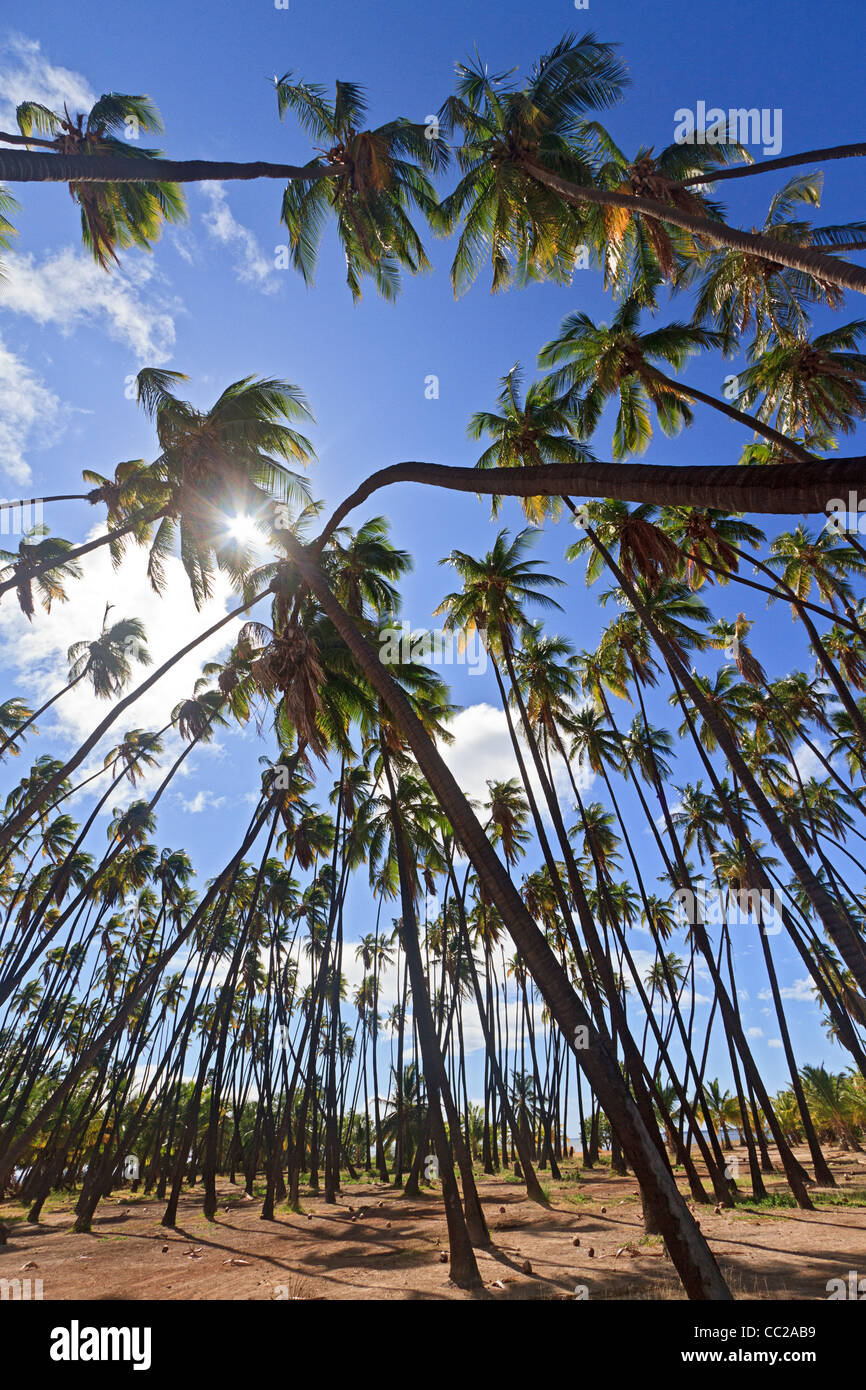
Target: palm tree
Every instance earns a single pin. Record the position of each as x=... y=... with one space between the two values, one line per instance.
x=528 y=231
x=722 y=1107
x=219 y=466
x=638 y=252
x=740 y=291
x=811 y=385
x=44 y=564
x=688 y=1250
x=532 y=171
x=14 y=716
x=530 y=433
x=114 y=216
x=831 y=1095
x=106 y=663
x=378 y=177
x=618 y=361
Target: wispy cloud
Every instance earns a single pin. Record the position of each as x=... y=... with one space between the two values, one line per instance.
x=203 y=800
x=252 y=266
x=31 y=415
x=26 y=74
x=67 y=290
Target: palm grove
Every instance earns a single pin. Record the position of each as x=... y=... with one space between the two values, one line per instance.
x=207 y=1028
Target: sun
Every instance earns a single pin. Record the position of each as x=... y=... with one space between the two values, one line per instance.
x=244 y=530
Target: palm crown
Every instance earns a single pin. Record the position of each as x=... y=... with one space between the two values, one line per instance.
x=528 y=230
x=113 y=215
x=220 y=464
x=381 y=175
x=740 y=290
x=616 y=360
x=537 y=430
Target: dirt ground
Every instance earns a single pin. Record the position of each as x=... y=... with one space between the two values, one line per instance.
x=377 y=1244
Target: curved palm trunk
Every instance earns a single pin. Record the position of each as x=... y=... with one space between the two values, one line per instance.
x=788 y=161
x=776 y=488
x=687 y=1246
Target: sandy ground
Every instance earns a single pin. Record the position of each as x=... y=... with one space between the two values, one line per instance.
x=377 y=1244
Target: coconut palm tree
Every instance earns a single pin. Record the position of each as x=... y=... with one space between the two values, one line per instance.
x=617 y=361
x=114 y=216
x=689 y=1253
x=44 y=565
x=739 y=292
x=379 y=177
x=14 y=716
x=531 y=172
x=527 y=231
x=638 y=252
x=811 y=386
x=105 y=663
x=528 y=433
x=221 y=466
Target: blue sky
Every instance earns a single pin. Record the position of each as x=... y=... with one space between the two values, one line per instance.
x=211 y=303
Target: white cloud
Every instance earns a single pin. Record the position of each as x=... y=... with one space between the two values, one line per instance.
x=774 y=1042
x=203 y=800
x=754 y=1032
x=67 y=290
x=802 y=990
x=37 y=652
x=482 y=752
x=31 y=416
x=252 y=266
x=27 y=75
x=807 y=762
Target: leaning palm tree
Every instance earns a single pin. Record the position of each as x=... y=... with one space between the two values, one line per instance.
x=14 y=715
x=105 y=662
x=618 y=361
x=813 y=387
x=220 y=467
x=689 y=1251
x=219 y=480
x=739 y=291
x=41 y=565
x=114 y=216
x=527 y=229
x=532 y=175
x=539 y=429
x=639 y=252
x=369 y=180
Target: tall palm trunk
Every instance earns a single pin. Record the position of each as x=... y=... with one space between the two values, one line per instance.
x=840 y=931
x=688 y=1247
x=464 y=1270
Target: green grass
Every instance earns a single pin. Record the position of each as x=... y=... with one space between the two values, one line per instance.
x=776 y=1201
